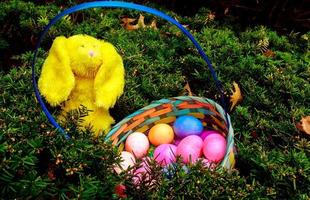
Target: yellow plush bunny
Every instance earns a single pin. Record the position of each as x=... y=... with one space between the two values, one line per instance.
x=82 y=70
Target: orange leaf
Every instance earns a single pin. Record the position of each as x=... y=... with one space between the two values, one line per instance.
x=127 y=20
x=269 y=53
x=304 y=125
x=236 y=96
x=127 y=23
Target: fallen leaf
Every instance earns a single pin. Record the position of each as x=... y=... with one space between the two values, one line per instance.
x=127 y=23
x=211 y=16
x=141 y=22
x=236 y=96
x=304 y=125
x=226 y=11
x=153 y=24
x=127 y=20
x=269 y=53
x=187 y=90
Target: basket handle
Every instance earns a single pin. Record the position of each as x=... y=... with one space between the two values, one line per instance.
x=116 y=4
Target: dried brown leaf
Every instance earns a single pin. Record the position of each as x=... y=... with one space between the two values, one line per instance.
x=187 y=90
x=269 y=53
x=236 y=96
x=153 y=25
x=304 y=125
x=127 y=20
x=127 y=23
x=141 y=22
x=226 y=11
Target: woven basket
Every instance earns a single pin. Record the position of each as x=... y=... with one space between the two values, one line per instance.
x=210 y=113
x=166 y=111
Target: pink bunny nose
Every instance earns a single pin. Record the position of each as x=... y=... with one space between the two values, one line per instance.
x=91 y=53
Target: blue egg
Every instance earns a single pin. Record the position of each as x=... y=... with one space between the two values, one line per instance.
x=169 y=170
x=187 y=125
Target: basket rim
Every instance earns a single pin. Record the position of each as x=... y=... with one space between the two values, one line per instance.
x=227 y=162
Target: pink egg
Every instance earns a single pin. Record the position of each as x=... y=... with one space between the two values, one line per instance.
x=138 y=144
x=128 y=160
x=190 y=148
x=214 y=147
x=165 y=154
x=206 y=133
x=143 y=169
x=143 y=172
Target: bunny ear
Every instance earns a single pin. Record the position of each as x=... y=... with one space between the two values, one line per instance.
x=56 y=80
x=109 y=80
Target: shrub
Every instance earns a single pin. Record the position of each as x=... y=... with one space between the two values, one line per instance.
x=273 y=157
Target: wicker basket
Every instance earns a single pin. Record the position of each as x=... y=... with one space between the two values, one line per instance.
x=210 y=113
x=166 y=111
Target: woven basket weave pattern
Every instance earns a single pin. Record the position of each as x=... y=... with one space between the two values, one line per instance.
x=210 y=113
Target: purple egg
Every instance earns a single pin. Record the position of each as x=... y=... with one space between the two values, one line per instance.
x=190 y=148
x=206 y=133
x=187 y=125
x=165 y=154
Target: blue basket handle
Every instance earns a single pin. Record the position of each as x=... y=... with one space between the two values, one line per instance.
x=115 y=4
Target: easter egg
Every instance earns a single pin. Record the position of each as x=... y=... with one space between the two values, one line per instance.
x=190 y=148
x=165 y=154
x=161 y=134
x=142 y=172
x=214 y=147
x=170 y=170
x=138 y=144
x=187 y=125
x=206 y=133
x=127 y=160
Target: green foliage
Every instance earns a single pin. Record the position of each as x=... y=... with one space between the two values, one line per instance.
x=273 y=157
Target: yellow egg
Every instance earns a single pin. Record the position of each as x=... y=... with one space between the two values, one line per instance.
x=161 y=134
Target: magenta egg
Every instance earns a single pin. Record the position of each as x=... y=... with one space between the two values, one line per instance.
x=143 y=167
x=165 y=154
x=214 y=147
x=143 y=172
x=206 y=133
x=190 y=148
